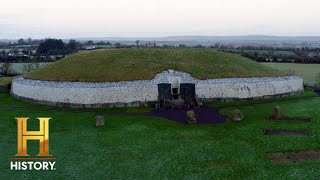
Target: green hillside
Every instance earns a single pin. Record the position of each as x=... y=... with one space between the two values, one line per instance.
x=143 y=64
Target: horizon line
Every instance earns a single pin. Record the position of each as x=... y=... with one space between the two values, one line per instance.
x=131 y=37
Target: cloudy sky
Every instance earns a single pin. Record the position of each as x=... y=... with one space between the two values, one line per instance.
x=155 y=18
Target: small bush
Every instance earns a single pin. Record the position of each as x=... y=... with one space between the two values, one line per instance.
x=5 y=81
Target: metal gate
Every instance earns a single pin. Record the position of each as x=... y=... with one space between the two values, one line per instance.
x=164 y=91
x=187 y=90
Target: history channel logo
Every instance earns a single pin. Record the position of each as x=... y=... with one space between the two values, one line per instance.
x=24 y=161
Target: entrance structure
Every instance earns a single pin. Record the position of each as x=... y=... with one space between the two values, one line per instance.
x=177 y=95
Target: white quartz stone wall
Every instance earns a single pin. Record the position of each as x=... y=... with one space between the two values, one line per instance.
x=244 y=90
x=87 y=95
x=144 y=91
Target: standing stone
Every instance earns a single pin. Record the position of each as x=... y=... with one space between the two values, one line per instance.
x=99 y=121
x=237 y=115
x=277 y=114
x=191 y=117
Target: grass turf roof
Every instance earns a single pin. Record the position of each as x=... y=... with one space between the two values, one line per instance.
x=143 y=64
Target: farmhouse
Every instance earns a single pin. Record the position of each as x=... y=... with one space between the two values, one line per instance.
x=140 y=77
x=89 y=47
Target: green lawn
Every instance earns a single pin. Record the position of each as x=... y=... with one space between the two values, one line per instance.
x=261 y=52
x=138 y=147
x=19 y=67
x=307 y=71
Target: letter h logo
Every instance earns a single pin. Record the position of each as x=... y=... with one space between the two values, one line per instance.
x=24 y=135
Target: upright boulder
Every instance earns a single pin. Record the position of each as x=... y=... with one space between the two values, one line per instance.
x=237 y=115
x=99 y=121
x=191 y=117
x=277 y=113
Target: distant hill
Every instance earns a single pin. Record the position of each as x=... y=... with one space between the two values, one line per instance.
x=212 y=38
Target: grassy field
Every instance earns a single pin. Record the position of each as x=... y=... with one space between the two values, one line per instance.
x=19 y=67
x=277 y=53
x=307 y=71
x=139 y=147
x=139 y=64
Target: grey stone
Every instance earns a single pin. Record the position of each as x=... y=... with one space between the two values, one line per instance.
x=191 y=117
x=237 y=115
x=277 y=113
x=99 y=121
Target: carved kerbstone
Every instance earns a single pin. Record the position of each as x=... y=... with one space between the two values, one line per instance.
x=277 y=113
x=237 y=115
x=99 y=121
x=191 y=117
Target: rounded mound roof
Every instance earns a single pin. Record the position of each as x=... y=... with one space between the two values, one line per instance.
x=144 y=64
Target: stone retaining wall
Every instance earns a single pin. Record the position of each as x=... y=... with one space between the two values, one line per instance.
x=141 y=93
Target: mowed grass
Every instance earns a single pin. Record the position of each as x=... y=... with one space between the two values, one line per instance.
x=143 y=64
x=307 y=71
x=138 y=147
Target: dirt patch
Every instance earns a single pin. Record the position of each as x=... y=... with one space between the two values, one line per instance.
x=286 y=132
x=294 y=156
x=305 y=119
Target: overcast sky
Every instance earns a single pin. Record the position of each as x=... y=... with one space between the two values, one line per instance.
x=155 y=18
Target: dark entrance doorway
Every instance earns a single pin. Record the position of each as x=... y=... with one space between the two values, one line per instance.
x=164 y=91
x=187 y=90
x=184 y=96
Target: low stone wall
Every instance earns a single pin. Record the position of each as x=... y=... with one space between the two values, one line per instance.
x=248 y=88
x=142 y=93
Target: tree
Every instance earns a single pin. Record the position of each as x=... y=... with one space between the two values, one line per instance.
x=21 y=41
x=255 y=55
x=6 y=68
x=118 y=45
x=29 y=41
x=90 y=42
x=52 y=47
x=73 y=46
x=137 y=43
x=101 y=43
x=182 y=46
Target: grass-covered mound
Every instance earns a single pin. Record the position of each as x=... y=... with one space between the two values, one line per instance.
x=5 y=81
x=144 y=64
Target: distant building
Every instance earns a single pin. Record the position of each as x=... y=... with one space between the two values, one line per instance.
x=19 y=54
x=89 y=47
